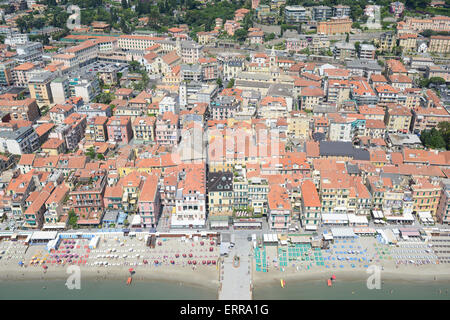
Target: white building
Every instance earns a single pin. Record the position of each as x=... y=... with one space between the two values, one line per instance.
x=20 y=141
x=169 y=103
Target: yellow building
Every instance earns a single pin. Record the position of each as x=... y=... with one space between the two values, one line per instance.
x=220 y=193
x=439 y=44
x=426 y=195
x=398 y=119
x=39 y=86
x=54 y=147
x=408 y=41
x=298 y=124
x=386 y=42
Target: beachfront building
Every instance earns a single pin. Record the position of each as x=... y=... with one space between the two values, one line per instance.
x=149 y=203
x=426 y=195
x=190 y=199
x=280 y=208
x=310 y=204
x=86 y=198
x=443 y=211
x=220 y=193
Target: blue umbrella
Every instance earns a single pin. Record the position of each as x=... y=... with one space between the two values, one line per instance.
x=20 y=263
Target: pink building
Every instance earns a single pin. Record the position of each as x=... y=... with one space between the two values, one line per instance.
x=296 y=45
x=255 y=4
x=119 y=129
x=397 y=8
x=167 y=129
x=231 y=27
x=149 y=202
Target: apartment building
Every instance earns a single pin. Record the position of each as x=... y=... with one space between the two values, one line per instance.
x=96 y=129
x=71 y=131
x=280 y=209
x=119 y=129
x=311 y=97
x=438 y=23
x=439 y=44
x=397 y=119
x=86 y=198
x=443 y=211
x=144 y=128
x=19 y=141
x=295 y=14
x=220 y=193
x=321 y=13
x=167 y=129
x=26 y=109
x=426 y=194
x=310 y=204
x=39 y=86
x=334 y=26
x=149 y=203
x=341 y=11
x=190 y=199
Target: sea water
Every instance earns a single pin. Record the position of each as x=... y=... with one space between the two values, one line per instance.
x=353 y=290
x=103 y=290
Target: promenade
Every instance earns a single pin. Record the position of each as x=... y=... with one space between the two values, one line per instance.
x=235 y=281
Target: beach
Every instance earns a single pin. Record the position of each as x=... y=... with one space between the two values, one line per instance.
x=191 y=263
x=347 y=265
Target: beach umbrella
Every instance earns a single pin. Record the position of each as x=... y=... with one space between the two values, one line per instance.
x=172 y=262
x=204 y=262
x=20 y=263
x=333 y=277
x=211 y=249
x=177 y=255
x=131 y=270
x=45 y=267
x=189 y=261
x=208 y=262
x=212 y=242
x=190 y=255
x=213 y=262
x=156 y=261
x=194 y=262
x=202 y=243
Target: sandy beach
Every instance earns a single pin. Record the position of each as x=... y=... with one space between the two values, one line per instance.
x=171 y=260
x=201 y=276
x=387 y=258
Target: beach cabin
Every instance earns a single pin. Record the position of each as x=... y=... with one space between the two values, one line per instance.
x=426 y=218
x=42 y=237
x=343 y=233
x=334 y=219
x=406 y=218
x=270 y=239
x=407 y=233
x=357 y=221
x=94 y=243
x=364 y=231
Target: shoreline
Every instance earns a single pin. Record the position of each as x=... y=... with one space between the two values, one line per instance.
x=273 y=278
x=202 y=278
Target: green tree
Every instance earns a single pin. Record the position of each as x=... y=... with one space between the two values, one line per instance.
x=72 y=219
x=240 y=35
x=219 y=82
x=347 y=37
x=357 y=46
x=230 y=83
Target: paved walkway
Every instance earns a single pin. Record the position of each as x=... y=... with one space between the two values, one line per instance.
x=236 y=282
